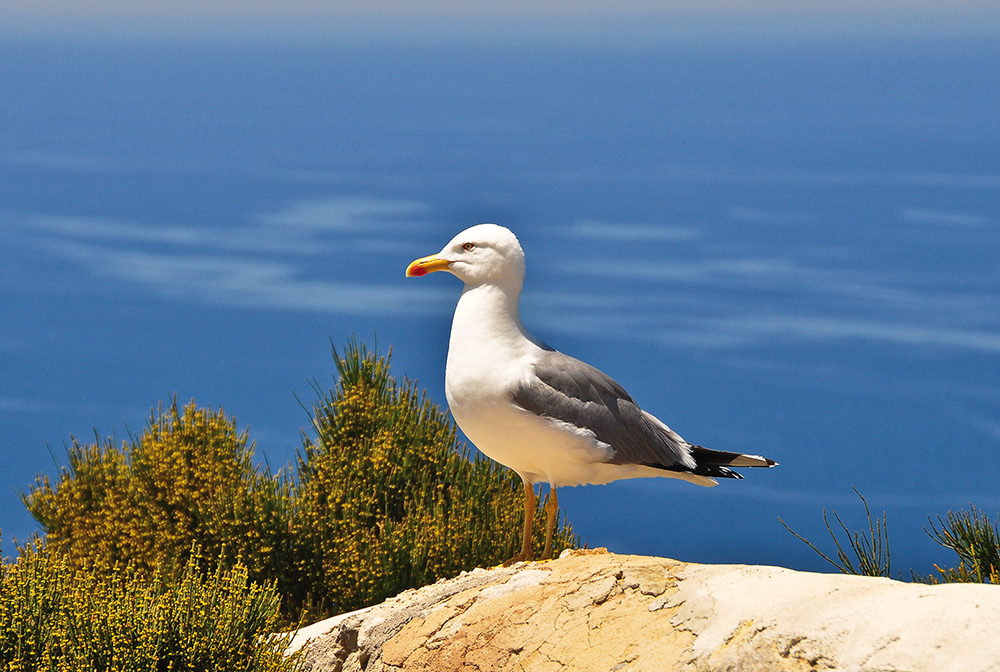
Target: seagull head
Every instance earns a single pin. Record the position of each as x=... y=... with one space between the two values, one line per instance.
x=482 y=254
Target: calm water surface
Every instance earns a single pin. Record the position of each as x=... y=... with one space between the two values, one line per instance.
x=781 y=249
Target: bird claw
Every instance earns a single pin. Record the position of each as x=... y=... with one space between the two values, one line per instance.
x=520 y=557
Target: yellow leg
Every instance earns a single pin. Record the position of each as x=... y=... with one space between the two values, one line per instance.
x=529 y=516
x=551 y=508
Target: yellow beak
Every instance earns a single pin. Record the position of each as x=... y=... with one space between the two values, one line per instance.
x=426 y=265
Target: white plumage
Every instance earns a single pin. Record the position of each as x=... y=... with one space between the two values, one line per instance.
x=547 y=416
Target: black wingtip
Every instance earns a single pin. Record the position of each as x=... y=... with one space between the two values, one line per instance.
x=708 y=456
x=718 y=472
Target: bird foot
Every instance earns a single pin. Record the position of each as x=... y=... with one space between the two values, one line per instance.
x=520 y=557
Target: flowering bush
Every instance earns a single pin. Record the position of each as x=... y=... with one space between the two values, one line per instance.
x=384 y=498
x=389 y=499
x=54 y=617
x=187 y=480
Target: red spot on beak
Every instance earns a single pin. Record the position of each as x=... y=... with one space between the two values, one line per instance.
x=426 y=265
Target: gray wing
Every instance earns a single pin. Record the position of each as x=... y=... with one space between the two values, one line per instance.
x=574 y=392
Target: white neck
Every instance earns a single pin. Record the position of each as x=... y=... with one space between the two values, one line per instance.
x=487 y=337
x=487 y=315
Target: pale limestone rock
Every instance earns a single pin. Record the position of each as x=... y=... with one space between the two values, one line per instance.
x=600 y=612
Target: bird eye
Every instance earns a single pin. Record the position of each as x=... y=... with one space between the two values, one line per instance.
x=469 y=247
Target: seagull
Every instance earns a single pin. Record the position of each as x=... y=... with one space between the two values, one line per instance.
x=549 y=417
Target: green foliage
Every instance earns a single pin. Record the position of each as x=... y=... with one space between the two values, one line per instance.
x=976 y=541
x=54 y=617
x=388 y=497
x=971 y=534
x=869 y=551
x=385 y=498
x=187 y=480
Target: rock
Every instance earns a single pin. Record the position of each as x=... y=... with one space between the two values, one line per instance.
x=596 y=611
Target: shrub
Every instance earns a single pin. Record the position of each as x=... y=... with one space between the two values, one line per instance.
x=54 y=617
x=390 y=499
x=88 y=515
x=869 y=551
x=971 y=534
x=976 y=542
x=187 y=480
x=385 y=498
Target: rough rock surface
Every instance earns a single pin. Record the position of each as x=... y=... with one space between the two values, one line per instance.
x=592 y=610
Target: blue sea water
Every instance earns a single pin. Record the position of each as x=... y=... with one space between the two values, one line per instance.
x=779 y=248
